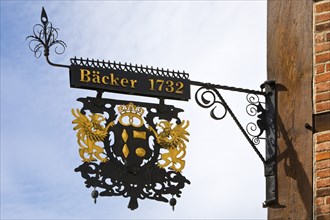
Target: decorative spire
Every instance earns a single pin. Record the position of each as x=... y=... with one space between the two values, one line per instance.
x=45 y=36
x=44 y=18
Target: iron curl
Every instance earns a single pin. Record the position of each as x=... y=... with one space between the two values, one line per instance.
x=205 y=101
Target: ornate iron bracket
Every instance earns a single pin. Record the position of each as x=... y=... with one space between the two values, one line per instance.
x=207 y=96
x=265 y=125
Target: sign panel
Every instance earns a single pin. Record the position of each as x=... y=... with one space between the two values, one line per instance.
x=128 y=79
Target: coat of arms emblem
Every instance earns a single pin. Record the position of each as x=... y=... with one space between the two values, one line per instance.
x=134 y=150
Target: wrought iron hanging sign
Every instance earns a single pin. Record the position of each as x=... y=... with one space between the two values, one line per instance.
x=135 y=149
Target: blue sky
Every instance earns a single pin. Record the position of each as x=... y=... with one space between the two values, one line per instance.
x=222 y=42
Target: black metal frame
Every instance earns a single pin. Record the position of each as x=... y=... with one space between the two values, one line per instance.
x=266 y=124
x=128 y=67
x=45 y=36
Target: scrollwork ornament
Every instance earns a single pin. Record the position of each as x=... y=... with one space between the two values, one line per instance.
x=253 y=130
x=206 y=98
x=253 y=108
x=253 y=98
x=256 y=140
x=44 y=37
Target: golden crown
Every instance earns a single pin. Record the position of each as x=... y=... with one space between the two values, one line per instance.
x=130 y=108
x=128 y=113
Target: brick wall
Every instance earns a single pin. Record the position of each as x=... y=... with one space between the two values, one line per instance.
x=321 y=94
x=322 y=175
x=322 y=56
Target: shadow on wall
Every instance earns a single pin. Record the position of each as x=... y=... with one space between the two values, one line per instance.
x=293 y=168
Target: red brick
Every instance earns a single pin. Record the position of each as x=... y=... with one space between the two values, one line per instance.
x=322 y=17
x=325 y=146
x=322 y=77
x=322 y=106
x=322 y=156
x=327 y=200
x=322 y=137
x=322 y=27
x=320 y=97
x=322 y=209
x=320 y=37
x=322 y=7
x=328 y=37
x=321 y=183
x=321 y=58
x=319 y=68
x=319 y=201
x=323 y=192
x=322 y=87
x=323 y=217
x=323 y=174
x=327 y=66
x=322 y=47
x=322 y=164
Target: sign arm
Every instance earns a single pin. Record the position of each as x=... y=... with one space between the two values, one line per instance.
x=55 y=64
x=266 y=123
x=231 y=88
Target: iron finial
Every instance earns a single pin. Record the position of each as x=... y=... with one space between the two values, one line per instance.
x=44 y=18
x=44 y=37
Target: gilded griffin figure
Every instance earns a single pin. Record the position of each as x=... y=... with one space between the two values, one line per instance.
x=173 y=140
x=89 y=132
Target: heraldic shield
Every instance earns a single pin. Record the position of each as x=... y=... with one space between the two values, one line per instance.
x=134 y=150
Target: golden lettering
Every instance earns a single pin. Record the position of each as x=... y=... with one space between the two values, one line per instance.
x=180 y=86
x=123 y=82
x=104 y=78
x=85 y=75
x=160 y=83
x=96 y=77
x=113 y=80
x=152 y=84
x=133 y=82
x=169 y=86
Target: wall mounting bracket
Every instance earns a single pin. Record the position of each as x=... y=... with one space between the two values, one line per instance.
x=266 y=124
